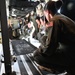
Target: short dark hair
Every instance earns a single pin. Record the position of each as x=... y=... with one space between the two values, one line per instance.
x=43 y=18
x=53 y=6
x=37 y=18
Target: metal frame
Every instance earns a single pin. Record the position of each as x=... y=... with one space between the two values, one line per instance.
x=5 y=38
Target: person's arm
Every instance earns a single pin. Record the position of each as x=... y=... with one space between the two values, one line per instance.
x=52 y=40
x=32 y=30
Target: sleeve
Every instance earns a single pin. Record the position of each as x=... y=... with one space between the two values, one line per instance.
x=52 y=40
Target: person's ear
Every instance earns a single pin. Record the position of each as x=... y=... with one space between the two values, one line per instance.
x=48 y=12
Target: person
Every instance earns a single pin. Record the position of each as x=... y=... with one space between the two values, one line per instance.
x=34 y=19
x=58 y=53
x=42 y=28
x=10 y=29
x=38 y=21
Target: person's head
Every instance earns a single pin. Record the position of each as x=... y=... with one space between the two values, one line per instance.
x=42 y=20
x=51 y=8
x=32 y=13
x=37 y=20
